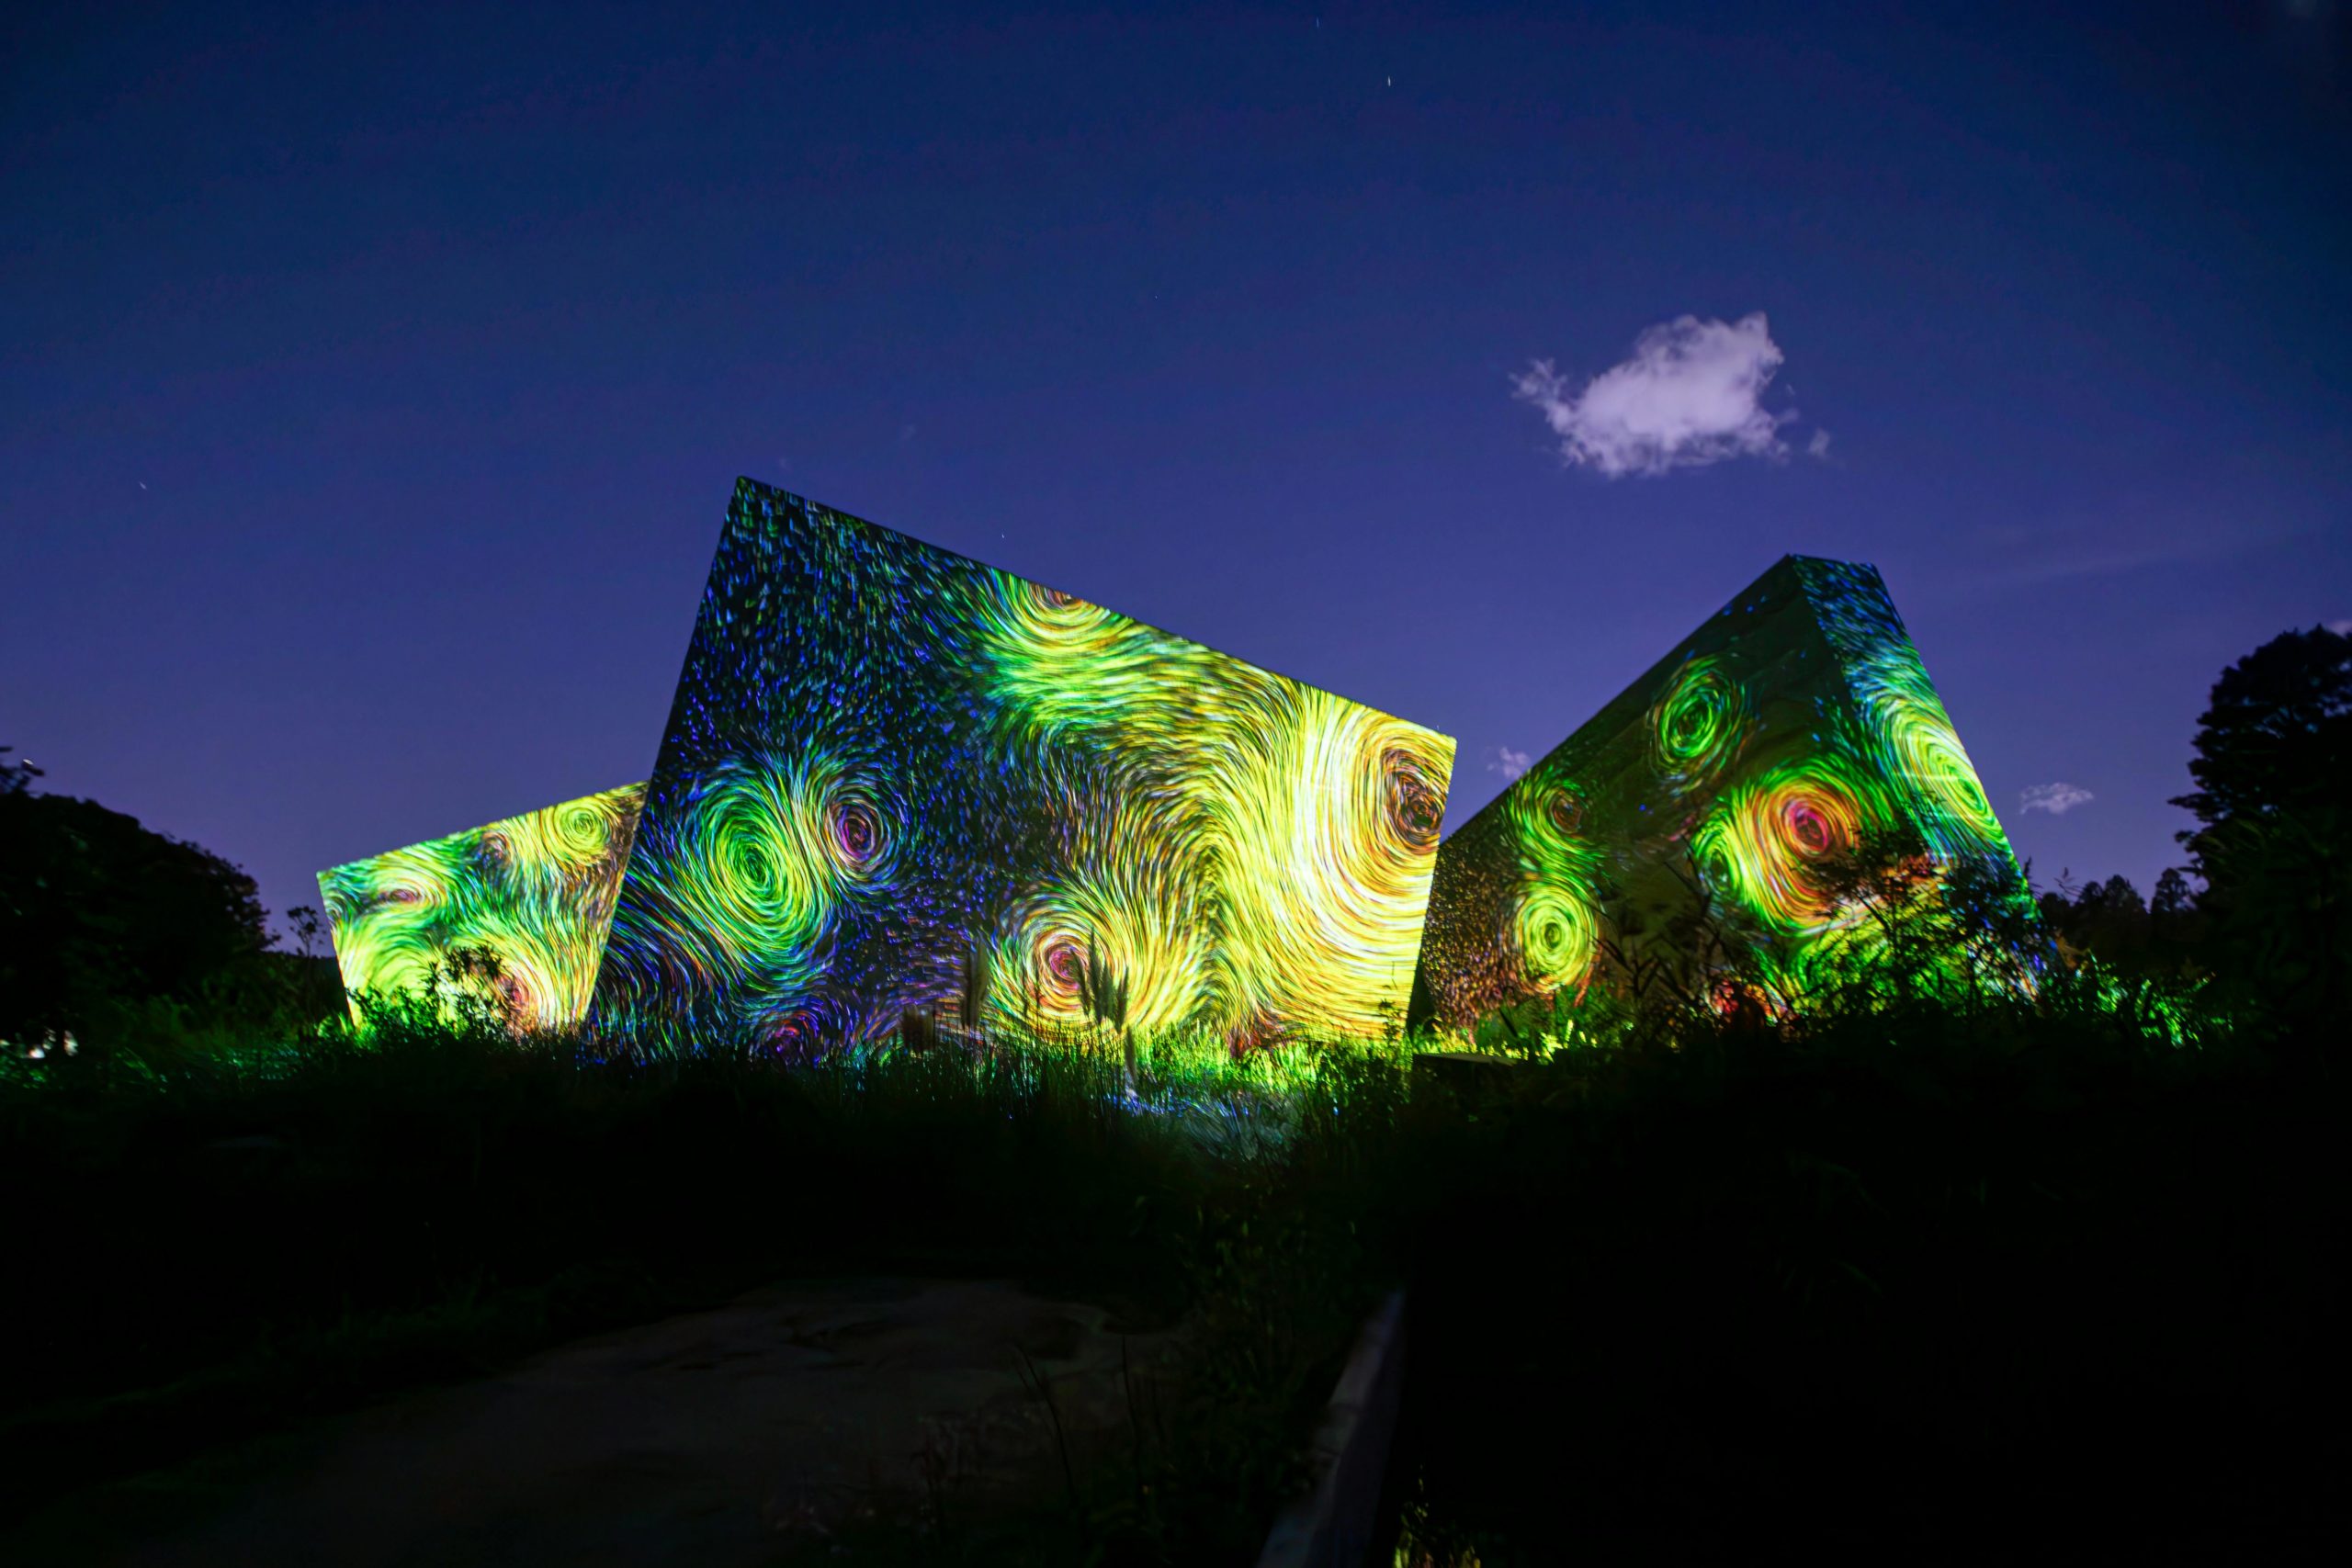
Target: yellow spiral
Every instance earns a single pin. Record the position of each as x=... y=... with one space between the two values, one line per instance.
x=1322 y=816
x=1057 y=664
x=580 y=833
x=1119 y=925
x=1775 y=841
x=1556 y=935
x=386 y=915
x=532 y=892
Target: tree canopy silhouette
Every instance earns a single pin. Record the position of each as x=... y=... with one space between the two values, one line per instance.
x=2274 y=805
x=15 y=777
x=96 y=910
x=2277 y=734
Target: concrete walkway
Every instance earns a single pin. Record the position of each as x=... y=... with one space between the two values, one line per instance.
x=719 y=1437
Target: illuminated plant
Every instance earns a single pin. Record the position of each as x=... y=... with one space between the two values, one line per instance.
x=1102 y=989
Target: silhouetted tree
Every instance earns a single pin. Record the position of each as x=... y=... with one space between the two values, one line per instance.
x=15 y=777
x=96 y=910
x=2276 y=736
x=2174 y=897
x=1916 y=927
x=2173 y=924
x=2111 y=921
x=2274 y=803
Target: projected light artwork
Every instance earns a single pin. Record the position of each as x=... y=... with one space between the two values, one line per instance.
x=1734 y=785
x=894 y=778
x=897 y=780
x=513 y=915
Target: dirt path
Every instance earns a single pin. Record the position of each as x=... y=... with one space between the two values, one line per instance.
x=719 y=1438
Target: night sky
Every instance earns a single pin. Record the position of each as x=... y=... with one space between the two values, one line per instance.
x=372 y=388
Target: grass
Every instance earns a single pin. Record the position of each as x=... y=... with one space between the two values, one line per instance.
x=1904 y=1282
x=222 y=1242
x=1672 y=1276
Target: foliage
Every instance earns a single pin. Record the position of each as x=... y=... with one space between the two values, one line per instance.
x=2109 y=920
x=1102 y=989
x=98 y=914
x=15 y=777
x=1963 y=934
x=2277 y=734
x=449 y=1197
x=1954 y=1166
x=1905 y=1277
x=458 y=1197
x=2274 y=801
x=1908 y=927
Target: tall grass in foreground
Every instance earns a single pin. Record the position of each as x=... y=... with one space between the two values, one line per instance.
x=222 y=1239
x=1900 y=1278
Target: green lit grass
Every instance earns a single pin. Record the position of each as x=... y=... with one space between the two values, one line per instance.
x=310 y=1217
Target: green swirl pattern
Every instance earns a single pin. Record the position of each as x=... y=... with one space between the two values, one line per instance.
x=531 y=895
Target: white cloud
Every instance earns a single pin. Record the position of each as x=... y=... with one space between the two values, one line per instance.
x=1689 y=396
x=1508 y=764
x=2341 y=628
x=2055 y=798
x=1819 y=446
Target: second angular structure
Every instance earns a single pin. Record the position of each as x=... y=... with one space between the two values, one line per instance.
x=1718 y=801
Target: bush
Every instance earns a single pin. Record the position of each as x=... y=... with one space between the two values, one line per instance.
x=221 y=1242
x=1903 y=1278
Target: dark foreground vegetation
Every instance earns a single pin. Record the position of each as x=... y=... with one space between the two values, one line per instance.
x=2029 y=1264
x=1827 y=1285
x=211 y=1252
x=1897 y=1285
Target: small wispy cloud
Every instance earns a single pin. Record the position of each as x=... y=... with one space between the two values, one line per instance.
x=1508 y=764
x=1691 y=395
x=2055 y=798
x=1819 y=446
x=2138 y=534
x=2341 y=628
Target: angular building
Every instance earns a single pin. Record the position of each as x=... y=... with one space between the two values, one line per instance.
x=1715 y=802
x=894 y=778
x=513 y=915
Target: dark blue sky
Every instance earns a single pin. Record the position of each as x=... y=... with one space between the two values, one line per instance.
x=372 y=387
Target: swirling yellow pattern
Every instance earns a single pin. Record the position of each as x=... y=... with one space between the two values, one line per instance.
x=1774 y=842
x=1291 y=833
x=531 y=893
